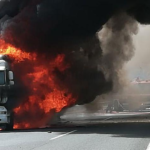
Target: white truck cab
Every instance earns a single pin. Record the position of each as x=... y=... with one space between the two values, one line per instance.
x=3 y=114
x=6 y=82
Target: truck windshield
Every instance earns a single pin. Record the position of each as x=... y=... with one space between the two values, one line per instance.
x=2 y=78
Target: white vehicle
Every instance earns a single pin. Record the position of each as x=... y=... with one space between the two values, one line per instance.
x=6 y=82
x=6 y=119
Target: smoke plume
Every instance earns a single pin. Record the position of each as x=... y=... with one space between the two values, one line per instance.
x=117 y=44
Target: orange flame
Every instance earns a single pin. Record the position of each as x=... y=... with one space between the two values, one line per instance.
x=46 y=94
x=15 y=53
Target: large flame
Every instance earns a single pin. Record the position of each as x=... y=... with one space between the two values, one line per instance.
x=46 y=95
x=17 y=54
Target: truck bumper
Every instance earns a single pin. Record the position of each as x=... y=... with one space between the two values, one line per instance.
x=4 y=117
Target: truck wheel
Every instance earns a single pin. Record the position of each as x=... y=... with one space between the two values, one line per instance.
x=10 y=125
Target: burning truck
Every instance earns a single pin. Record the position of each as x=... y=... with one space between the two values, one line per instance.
x=72 y=65
x=6 y=84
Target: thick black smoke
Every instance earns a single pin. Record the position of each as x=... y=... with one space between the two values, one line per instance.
x=54 y=27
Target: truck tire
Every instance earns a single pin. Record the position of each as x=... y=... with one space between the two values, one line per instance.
x=10 y=125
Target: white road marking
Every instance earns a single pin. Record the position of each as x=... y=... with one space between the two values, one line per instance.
x=63 y=135
x=148 y=147
x=107 y=118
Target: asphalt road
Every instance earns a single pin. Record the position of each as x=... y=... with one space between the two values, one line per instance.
x=104 y=116
x=120 y=136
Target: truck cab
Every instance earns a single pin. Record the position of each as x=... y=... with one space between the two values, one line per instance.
x=6 y=83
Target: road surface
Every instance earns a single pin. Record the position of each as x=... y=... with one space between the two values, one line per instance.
x=105 y=116
x=119 y=136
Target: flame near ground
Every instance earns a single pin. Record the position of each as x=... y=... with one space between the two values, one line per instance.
x=46 y=96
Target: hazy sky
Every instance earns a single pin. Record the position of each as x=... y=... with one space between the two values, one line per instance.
x=139 y=66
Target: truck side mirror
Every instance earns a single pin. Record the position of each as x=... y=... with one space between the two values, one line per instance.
x=10 y=75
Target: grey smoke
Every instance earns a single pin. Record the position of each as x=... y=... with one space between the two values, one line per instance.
x=118 y=47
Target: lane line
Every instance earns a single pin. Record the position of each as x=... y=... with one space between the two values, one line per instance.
x=148 y=147
x=107 y=118
x=63 y=135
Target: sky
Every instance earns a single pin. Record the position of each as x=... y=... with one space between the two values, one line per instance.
x=139 y=65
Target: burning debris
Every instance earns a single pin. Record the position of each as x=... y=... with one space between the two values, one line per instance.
x=57 y=56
